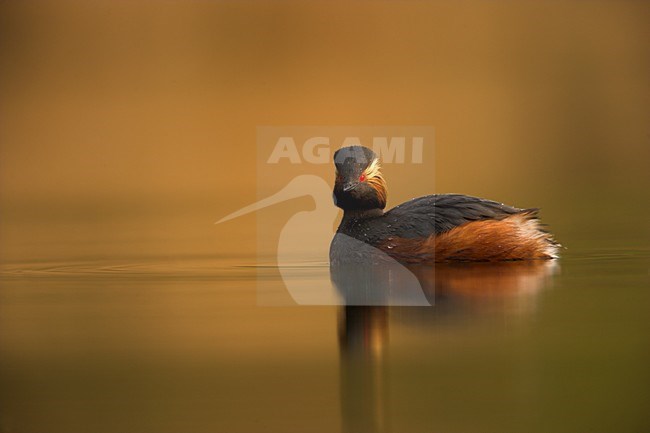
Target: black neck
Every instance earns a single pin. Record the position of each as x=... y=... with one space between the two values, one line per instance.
x=360 y=214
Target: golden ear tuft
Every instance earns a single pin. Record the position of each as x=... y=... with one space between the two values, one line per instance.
x=376 y=180
x=374 y=169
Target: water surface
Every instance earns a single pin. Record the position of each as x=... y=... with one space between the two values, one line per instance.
x=180 y=343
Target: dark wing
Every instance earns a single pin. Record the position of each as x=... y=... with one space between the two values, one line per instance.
x=435 y=214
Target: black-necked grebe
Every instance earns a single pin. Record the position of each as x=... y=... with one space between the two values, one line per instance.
x=434 y=228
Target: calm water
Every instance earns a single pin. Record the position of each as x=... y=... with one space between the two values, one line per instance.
x=179 y=343
x=128 y=127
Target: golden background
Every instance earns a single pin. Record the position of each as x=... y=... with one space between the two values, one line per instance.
x=136 y=121
x=128 y=127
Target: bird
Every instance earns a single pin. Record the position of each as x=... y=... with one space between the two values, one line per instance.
x=430 y=229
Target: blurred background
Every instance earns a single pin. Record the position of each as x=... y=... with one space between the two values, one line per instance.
x=146 y=111
x=128 y=127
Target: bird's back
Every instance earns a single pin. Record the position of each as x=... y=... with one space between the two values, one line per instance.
x=455 y=227
x=439 y=213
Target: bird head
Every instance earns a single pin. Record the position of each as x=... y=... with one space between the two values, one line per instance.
x=359 y=183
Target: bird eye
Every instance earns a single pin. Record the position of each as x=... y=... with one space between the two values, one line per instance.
x=362 y=178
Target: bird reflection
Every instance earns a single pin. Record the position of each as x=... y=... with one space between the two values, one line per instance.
x=363 y=339
x=457 y=293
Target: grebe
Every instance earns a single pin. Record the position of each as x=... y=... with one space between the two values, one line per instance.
x=429 y=229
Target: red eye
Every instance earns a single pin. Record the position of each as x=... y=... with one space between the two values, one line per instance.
x=362 y=178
